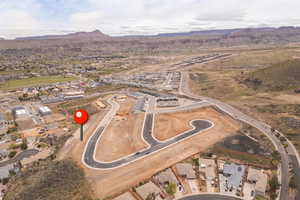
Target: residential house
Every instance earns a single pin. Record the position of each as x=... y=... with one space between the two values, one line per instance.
x=234 y=174
x=7 y=169
x=149 y=189
x=3 y=153
x=259 y=179
x=167 y=177
x=186 y=170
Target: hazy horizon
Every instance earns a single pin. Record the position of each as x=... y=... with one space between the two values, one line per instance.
x=141 y=17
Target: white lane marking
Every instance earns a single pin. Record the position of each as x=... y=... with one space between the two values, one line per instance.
x=125 y=157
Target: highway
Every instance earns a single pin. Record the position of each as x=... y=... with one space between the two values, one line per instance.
x=266 y=129
x=154 y=145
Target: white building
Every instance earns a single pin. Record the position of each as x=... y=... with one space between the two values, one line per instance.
x=20 y=112
x=3 y=124
x=45 y=110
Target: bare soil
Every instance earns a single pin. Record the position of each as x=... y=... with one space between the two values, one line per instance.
x=107 y=183
x=168 y=125
x=122 y=137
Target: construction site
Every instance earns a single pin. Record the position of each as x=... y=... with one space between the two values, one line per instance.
x=123 y=136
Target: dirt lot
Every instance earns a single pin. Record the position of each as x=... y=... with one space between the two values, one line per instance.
x=112 y=182
x=168 y=125
x=24 y=124
x=123 y=135
x=73 y=148
x=55 y=117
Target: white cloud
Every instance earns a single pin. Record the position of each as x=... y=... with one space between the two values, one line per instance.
x=12 y=19
x=86 y=20
x=118 y=17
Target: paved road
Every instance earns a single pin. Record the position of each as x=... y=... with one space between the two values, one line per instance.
x=24 y=154
x=296 y=168
x=266 y=129
x=154 y=145
x=209 y=197
x=196 y=105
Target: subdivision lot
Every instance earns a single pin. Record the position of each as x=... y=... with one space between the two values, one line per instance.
x=112 y=182
x=168 y=125
x=122 y=137
x=73 y=148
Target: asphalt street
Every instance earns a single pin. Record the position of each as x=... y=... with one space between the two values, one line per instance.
x=266 y=129
x=89 y=159
x=209 y=197
x=25 y=154
x=185 y=108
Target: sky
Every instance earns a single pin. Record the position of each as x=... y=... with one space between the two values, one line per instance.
x=141 y=17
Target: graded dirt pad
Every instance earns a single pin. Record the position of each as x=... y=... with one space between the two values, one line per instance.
x=73 y=148
x=24 y=124
x=107 y=183
x=168 y=125
x=122 y=137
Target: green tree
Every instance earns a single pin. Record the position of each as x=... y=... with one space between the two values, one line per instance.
x=12 y=154
x=12 y=173
x=5 y=181
x=171 y=188
x=196 y=162
x=24 y=145
x=274 y=186
x=273 y=130
x=275 y=155
x=292 y=182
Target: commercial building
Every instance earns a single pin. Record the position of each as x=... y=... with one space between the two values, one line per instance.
x=135 y=94
x=20 y=112
x=167 y=101
x=51 y=99
x=69 y=95
x=45 y=110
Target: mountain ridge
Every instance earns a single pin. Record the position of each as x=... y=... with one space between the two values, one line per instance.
x=220 y=32
x=87 y=35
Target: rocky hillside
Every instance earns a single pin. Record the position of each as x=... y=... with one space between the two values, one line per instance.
x=278 y=77
x=212 y=38
x=95 y=35
x=50 y=180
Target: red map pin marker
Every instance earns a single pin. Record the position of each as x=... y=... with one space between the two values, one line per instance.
x=81 y=117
